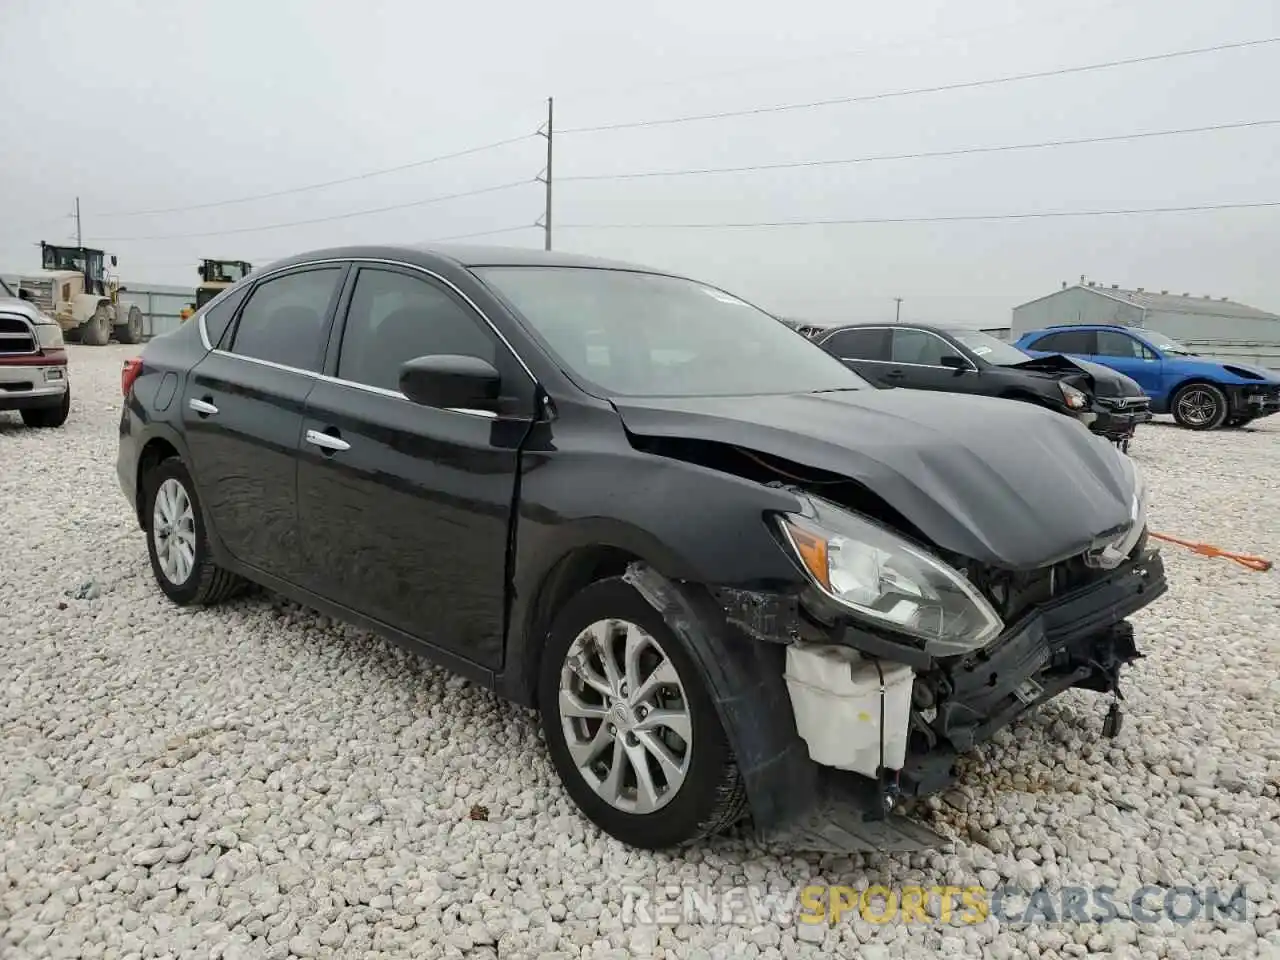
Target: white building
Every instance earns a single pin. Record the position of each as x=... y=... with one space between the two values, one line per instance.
x=1214 y=326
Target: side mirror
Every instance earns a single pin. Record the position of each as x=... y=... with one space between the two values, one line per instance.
x=451 y=382
x=955 y=363
x=113 y=260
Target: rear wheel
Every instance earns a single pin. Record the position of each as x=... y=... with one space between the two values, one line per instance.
x=630 y=724
x=1199 y=406
x=97 y=329
x=49 y=416
x=180 y=557
x=131 y=330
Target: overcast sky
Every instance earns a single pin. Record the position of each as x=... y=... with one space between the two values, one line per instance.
x=151 y=104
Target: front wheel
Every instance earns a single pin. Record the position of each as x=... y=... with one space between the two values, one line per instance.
x=97 y=329
x=630 y=724
x=131 y=330
x=180 y=557
x=1199 y=406
x=49 y=417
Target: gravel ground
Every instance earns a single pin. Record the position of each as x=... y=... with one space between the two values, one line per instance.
x=258 y=781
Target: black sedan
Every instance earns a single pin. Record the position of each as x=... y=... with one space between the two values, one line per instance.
x=731 y=576
x=960 y=360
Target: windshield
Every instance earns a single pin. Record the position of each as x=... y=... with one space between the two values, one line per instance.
x=642 y=335
x=217 y=271
x=60 y=258
x=990 y=349
x=1167 y=344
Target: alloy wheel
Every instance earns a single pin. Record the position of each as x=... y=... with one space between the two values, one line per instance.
x=1198 y=406
x=173 y=528
x=625 y=717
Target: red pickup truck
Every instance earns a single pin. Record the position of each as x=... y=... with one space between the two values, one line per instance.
x=33 y=363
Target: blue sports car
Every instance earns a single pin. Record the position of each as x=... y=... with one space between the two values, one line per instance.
x=1201 y=393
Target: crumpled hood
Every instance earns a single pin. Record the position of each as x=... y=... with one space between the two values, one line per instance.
x=1000 y=482
x=1105 y=381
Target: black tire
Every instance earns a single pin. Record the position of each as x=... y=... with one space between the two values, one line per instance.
x=1199 y=406
x=95 y=331
x=712 y=797
x=131 y=330
x=49 y=417
x=207 y=583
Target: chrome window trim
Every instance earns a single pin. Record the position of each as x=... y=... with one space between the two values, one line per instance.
x=969 y=364
x=367 y=388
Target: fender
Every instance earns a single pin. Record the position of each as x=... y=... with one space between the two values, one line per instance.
x=83 y=306
x=690 y=523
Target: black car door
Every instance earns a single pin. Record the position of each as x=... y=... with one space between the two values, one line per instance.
x=405 y=509
x=242 y=413
x=865 y=350
x=922 y=360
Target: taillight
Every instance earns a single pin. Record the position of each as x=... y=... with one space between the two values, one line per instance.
x=132 y=368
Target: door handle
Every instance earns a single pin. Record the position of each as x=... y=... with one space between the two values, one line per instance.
x=894 y=375
x=327 y=441
x=202 y=407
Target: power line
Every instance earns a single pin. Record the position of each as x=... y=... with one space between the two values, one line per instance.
x=484 y=233
x=877 y=158
x=781 y=63
x=327 y=183
x=943 y=219
x=336 y=216
x=261 y=258
x=965 y=85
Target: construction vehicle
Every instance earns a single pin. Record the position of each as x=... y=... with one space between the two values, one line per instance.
x=216 y=276
x=75 y=289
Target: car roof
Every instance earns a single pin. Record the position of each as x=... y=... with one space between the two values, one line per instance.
x=464 y=255
x=890 y=324
x=1055 y=328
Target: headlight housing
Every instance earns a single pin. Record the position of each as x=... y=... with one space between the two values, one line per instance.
x=888 y=582
x=1073 y=398
x=49 y=334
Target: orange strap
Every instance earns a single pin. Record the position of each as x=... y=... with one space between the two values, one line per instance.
x=1260 y=564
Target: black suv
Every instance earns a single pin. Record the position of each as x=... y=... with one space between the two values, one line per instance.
x=731 y=576
x=960 y=360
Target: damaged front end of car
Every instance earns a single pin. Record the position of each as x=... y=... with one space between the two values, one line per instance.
x=943 y=580
x=899 y=659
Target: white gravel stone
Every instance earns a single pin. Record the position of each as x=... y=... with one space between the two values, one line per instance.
x=256 y=780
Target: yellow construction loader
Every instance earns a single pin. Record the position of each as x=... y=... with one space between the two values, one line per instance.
x=74 y=287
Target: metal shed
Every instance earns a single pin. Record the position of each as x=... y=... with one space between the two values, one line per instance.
x=1213 y=326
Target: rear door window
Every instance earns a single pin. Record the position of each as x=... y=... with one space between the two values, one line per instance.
x=1066 y=341
x=218 y=317
x=285 y=318
x=867 y=344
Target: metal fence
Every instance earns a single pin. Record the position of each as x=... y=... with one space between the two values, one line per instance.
x=161 y=306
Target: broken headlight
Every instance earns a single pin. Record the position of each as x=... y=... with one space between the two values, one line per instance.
x=1073 y=398
x=889 y=582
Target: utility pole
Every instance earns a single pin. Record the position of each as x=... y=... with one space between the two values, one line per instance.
x=548 y=131
x=897 y=310
x=79 y=236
